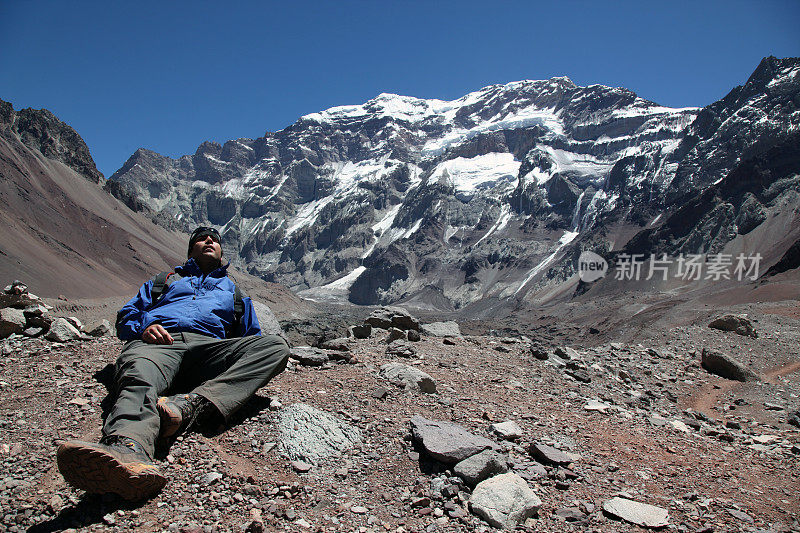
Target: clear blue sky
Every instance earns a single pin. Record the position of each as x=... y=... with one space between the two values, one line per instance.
x=170 y=75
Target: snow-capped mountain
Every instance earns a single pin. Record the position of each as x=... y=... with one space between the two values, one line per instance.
x=444 y=203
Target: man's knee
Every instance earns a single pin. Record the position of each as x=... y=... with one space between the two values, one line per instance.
x=273 y=350
x=138 y=371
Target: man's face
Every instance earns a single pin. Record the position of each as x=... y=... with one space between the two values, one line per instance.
x=207 y=248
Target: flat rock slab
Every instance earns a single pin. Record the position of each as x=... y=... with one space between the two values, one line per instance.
x=549 y=455
x=308 y=356
x=442 y=329
x=641 y=514
x=447 y=442
x=408 y=377
x=725 y=366
x=504 y=501
x=308 y=434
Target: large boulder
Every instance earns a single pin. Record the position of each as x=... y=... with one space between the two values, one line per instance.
x=442 y=329
x=408 y=377
x=447 y=442
x=736 y=324
x=504 y=501
x=726 y=366
x=387 y=317
x=11 y=321
x=62 y=330
x=309 y=434
x=266 y=319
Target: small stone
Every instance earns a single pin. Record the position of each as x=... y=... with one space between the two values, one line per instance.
x=301 y=466
x=741 y=516
x=570 y=514
x=408 y=377
x=594 y=405
x=421 y=502
x=109 y=519
x=380 y=393
x=357 y=509
x=62 y=331
x=508 y=430
x=363 y=331
x=565 y=352
x=341 y=344
x=549 y=455
x=480 y=466
x=504 y=501
x=400 y=348
x=211 y=478
x=413 y=335
x=101 y=329
x=395 y=334
x=765 y=439
x=79 y=401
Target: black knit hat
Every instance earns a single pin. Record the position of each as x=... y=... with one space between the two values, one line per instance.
x=199 y=233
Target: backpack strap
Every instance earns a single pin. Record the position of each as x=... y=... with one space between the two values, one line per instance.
x=160 y=285
x=238 y=312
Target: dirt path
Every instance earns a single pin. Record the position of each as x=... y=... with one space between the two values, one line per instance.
x=706 y=398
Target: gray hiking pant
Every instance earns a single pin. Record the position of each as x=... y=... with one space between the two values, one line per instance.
x=224 y=371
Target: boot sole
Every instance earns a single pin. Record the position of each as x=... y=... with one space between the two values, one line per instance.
x=170 y=421
x=99 y=472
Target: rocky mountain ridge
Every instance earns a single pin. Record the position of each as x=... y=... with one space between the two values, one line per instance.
x=443 y=204
x=39 y=129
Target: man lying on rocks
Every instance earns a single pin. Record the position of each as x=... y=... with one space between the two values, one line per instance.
x=188 y=330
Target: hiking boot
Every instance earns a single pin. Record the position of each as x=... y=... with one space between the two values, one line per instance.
x=178 y=413
x=116 y=465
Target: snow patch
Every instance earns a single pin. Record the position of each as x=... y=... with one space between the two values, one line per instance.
x=565 y=239
x=335 y=290
x=481 y=172
x=500 y=223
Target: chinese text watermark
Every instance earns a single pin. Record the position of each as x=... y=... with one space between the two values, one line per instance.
x=688 y=267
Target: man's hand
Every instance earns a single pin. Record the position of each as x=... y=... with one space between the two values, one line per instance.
x=156 y=334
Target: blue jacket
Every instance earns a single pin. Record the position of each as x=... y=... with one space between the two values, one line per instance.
x=194 y=304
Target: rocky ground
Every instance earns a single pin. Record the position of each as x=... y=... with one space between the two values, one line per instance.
x=641 y=419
